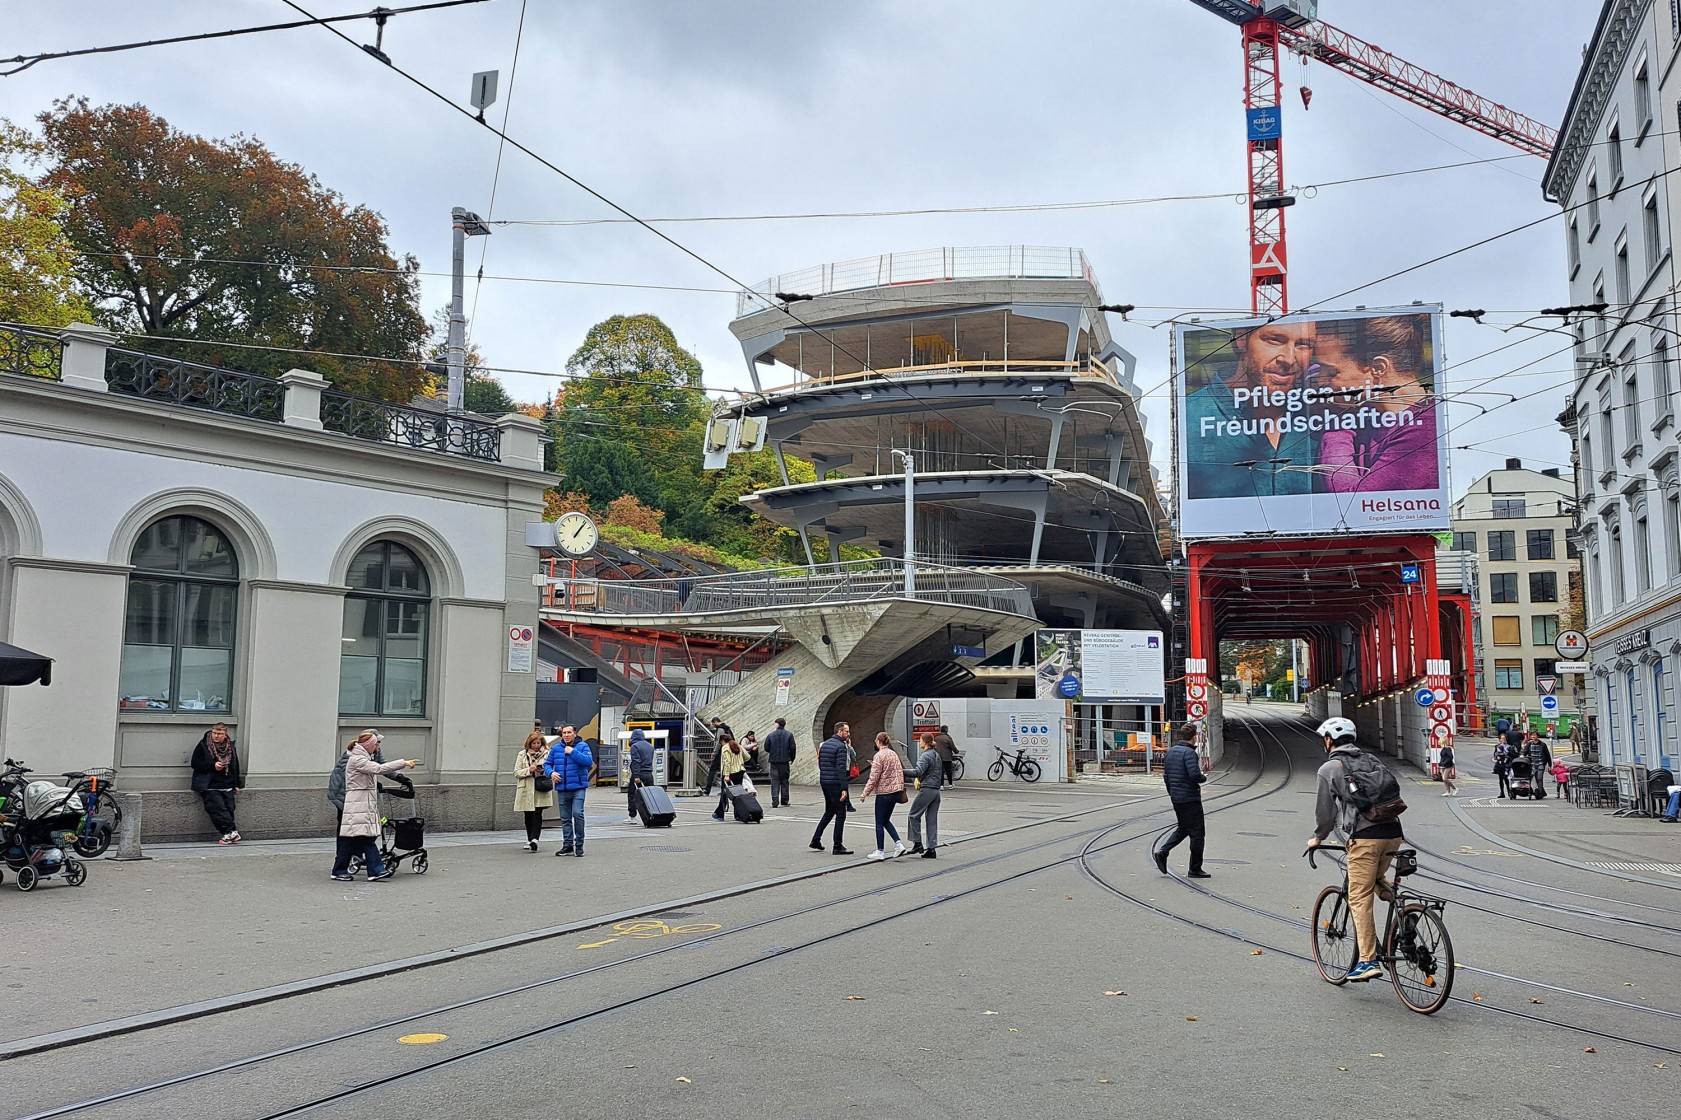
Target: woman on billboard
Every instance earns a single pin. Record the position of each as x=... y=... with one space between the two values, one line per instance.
x=1377 y=364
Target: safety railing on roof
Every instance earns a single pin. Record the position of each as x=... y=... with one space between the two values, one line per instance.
x=29 y=353
x=922 y=266
x=410 y=427
x=154 y=377
x=761 y=594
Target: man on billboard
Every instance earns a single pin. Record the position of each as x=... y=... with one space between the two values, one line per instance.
x=1376 y=363
x=1246 y=407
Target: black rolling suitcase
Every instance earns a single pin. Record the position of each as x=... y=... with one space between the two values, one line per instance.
x=745 y=804
x=654 y=806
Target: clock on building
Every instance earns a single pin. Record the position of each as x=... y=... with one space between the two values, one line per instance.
x=576 y=534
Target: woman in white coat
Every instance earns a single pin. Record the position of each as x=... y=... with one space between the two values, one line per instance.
x=359 y=828
x=528 y=770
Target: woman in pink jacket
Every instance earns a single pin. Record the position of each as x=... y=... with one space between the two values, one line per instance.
x=887 y=782
x=359 y=828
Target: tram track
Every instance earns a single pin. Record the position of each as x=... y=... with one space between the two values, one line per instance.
x=247 y=1062
x=1086 y=866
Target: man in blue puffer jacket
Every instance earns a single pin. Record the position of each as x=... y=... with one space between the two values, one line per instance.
x=568 y=766
x=1184 y=777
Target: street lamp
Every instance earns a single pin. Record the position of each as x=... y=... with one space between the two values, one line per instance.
x=466 y=224
x=910 y=521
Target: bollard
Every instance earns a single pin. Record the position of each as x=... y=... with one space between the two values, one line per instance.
x=128 y=836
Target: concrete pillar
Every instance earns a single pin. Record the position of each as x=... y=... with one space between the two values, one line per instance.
x=522 y=441
x=84 y=356
x=302 y=408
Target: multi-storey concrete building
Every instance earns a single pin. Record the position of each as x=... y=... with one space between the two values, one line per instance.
x=1613 y=172
x=1517 y=523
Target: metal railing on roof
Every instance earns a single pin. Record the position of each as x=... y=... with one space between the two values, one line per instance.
x=761 y=593
x=922 y=266
x=134 y=373
x=28 y=353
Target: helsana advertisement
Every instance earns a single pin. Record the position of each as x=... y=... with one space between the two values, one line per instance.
x=1312 y=425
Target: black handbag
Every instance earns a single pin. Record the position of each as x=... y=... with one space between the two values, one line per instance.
x=542 y=783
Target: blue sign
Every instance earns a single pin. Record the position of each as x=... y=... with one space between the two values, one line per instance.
x=1549 y=703
x=968 y=651
x=1425 y=697
x=1265 y=124
x=1409 y=573
x=1068 y=687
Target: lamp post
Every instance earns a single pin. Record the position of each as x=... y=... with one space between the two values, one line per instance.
x=466 y=224
x=910 y=522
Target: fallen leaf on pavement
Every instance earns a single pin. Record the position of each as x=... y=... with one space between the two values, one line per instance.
x=1343 y=1069
x=1376 y=1055
x=989 y=1013
x=1533 y=999
x=1660 y=1065
x=685 y=1081
x=1190 y=1018
x=1256 y=953
x=1589 y=1050
x=1478 y=996
x=858 y=998
x=1014 y=1031
x=1114 y=993
x=1103 y=1081
x=630 y=1067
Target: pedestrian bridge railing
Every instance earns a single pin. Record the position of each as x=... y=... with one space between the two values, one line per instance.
x=763 y=593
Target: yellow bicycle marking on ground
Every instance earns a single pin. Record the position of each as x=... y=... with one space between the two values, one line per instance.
x=651 y=927
x=422 y=1039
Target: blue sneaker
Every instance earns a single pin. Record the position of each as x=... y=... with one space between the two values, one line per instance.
x=1365 y=970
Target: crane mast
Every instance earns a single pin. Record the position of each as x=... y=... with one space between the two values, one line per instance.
x=1272 y=26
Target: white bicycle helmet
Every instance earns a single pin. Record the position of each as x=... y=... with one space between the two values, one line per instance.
x=1339 y=729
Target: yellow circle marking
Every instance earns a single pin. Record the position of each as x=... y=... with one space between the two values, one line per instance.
x=422 y=1039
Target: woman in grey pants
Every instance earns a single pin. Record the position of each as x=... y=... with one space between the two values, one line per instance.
x=927 y=803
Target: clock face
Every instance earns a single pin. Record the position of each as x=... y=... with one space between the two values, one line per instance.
x=576 y=534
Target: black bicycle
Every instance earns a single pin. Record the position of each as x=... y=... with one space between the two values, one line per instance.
x=1027 y=769
x=101 y=815
x=1415 y=945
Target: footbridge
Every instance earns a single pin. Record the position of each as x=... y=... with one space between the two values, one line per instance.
x=864 y=633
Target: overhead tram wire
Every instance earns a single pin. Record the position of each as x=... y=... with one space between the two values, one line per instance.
x=28 y=60
x=770 y=303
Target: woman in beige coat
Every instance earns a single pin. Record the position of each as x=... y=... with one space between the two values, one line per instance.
x=360 y=826
x=528 y=768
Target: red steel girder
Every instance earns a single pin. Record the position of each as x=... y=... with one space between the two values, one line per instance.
x=1378 y=67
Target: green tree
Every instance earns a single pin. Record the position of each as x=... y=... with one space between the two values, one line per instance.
x=631 y=417
x=37 y=260
x=219 y=240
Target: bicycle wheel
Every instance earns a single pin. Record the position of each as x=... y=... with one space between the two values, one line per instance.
x=1421 y=966
x=956 y=769
x=1029 y=770
x=1334 y=944
x=995 y=771
x=94 y=841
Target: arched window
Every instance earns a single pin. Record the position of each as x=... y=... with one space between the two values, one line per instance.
x=382 y=671
x=178 y=631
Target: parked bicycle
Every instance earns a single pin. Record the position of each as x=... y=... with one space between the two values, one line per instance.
x=956 y=766
x=1414 y=943
x=101 y=815
x=1027 y=769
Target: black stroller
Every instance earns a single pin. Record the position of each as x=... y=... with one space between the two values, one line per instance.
x=1522 y=780
x=402 y=838
x=38 y=824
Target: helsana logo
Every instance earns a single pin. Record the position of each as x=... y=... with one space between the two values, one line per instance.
x=1401 y=505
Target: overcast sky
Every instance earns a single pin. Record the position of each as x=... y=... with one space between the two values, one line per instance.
x=748 y=107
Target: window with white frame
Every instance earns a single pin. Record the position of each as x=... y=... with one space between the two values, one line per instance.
x=1573 y=243
x=382 y=668
x=179 y=625
x=1653 y=230
x=1607 y=436
x=1593 y=205
x=1631 y=397
x=1642 y=99
x=1620 y=270
x=1672 y=529
x=1618 y=592
x=1663 y=378
x=1614 y=151
x=1642 y=553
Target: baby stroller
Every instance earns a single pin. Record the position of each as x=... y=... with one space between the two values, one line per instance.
x=403 y=838
x=1522 y=780
x=38 y=823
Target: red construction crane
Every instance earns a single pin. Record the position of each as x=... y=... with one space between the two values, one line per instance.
x=1268 y=26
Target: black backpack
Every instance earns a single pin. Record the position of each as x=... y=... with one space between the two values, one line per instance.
x=1372 y=789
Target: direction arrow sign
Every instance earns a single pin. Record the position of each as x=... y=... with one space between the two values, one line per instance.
x=1549 y=703
x=1425 y=697
x=1546 y=685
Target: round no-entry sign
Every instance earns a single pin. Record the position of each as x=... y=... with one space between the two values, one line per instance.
x=1196 y=709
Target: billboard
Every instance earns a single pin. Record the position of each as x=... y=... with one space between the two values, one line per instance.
x=1100 y=666
x=1312 y=425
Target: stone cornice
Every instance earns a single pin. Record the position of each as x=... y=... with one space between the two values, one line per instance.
x=53 y=564
x=1613 y=40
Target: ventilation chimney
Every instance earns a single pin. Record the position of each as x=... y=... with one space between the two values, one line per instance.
x=1551 y=472
x=1514 y=464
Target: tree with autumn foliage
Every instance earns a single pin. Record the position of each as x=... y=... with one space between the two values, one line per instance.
x=183 y=237
x=37 y=260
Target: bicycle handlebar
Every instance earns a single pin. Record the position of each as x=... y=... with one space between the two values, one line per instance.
x=1309 y=853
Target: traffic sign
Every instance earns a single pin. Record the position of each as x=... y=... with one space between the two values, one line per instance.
x=1425 y=697
x=1549 y=703
x=1196 y=691
x=1441 y=695
x=1441 y=713
x=1546 y=685
x=1572 y=645
x=1409 y=573
x=1196 y=709
x=1573 y=667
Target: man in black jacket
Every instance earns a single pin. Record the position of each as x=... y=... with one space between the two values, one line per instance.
x=834 y=764
x=1184 y=777
x=780 y=751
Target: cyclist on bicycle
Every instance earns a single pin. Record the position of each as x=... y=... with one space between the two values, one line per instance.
x=1371 y=844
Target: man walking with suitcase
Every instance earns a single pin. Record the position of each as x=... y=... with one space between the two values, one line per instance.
x=780 y=751
x=641 y=769
x=1184 y=777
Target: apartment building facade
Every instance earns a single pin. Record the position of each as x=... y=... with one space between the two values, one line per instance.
x=1613 y=172
x=1517 y=523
